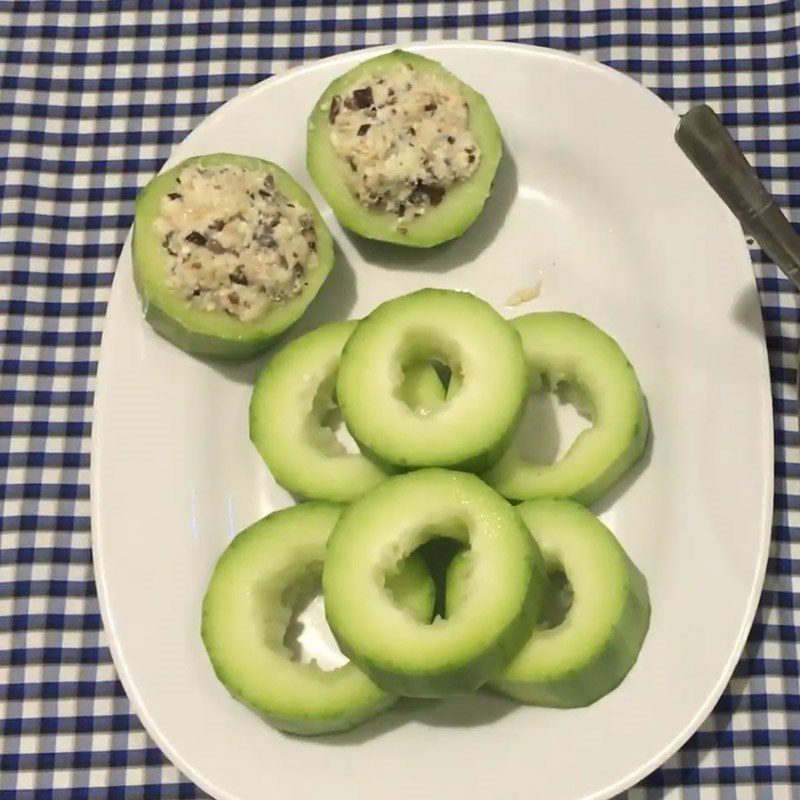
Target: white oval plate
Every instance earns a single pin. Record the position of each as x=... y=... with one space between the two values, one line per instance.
x=595 y=201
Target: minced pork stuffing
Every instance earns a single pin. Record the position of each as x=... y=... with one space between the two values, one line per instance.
x=405 y=136
x=234 y=242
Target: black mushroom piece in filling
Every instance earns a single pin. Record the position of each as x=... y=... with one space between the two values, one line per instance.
x=432 y=192
x=213 y=246
x=167 y=243
x=435 y=194
x=362 y=98
x=238 y=276
x=195 y=237
x=336 y=107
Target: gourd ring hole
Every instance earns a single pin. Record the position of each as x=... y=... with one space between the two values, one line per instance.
x=325 y=426
x=434 y=348
x=437 y=544
x=559 y=597
x=558 y=410
x=289 y=605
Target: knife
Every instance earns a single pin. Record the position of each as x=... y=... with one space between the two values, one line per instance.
x=706 y=141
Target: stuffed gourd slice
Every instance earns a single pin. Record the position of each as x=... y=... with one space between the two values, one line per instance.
x=403 y=151
x=228 y=251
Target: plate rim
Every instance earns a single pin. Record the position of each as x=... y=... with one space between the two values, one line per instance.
x=768 y=481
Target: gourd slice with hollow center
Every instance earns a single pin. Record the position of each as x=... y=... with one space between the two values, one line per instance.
x=269 y=263
x=292 y=399
x=565 y=347
x=473 y=427
x=592 y=633
x=402 y=150
x=248 y=606
x=504 y=586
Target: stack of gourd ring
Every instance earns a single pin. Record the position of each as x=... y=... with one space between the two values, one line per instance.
x=540 y=602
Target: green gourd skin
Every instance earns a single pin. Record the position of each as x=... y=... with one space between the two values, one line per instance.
x=562 y=346
x=292 y=399
x=461 y=204
x=588 y=653
x=473 y=427
x=247 y=608
x=504 y=593
x=216 y=334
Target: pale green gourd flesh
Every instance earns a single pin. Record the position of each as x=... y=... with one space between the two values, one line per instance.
x=247 y=608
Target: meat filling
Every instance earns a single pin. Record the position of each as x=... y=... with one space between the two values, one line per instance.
x=233 y=241
x=406 y=139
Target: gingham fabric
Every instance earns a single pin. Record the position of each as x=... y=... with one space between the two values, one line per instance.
x=94 y=96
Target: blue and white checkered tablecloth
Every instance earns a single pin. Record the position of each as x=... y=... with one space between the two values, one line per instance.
x=93 y=96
